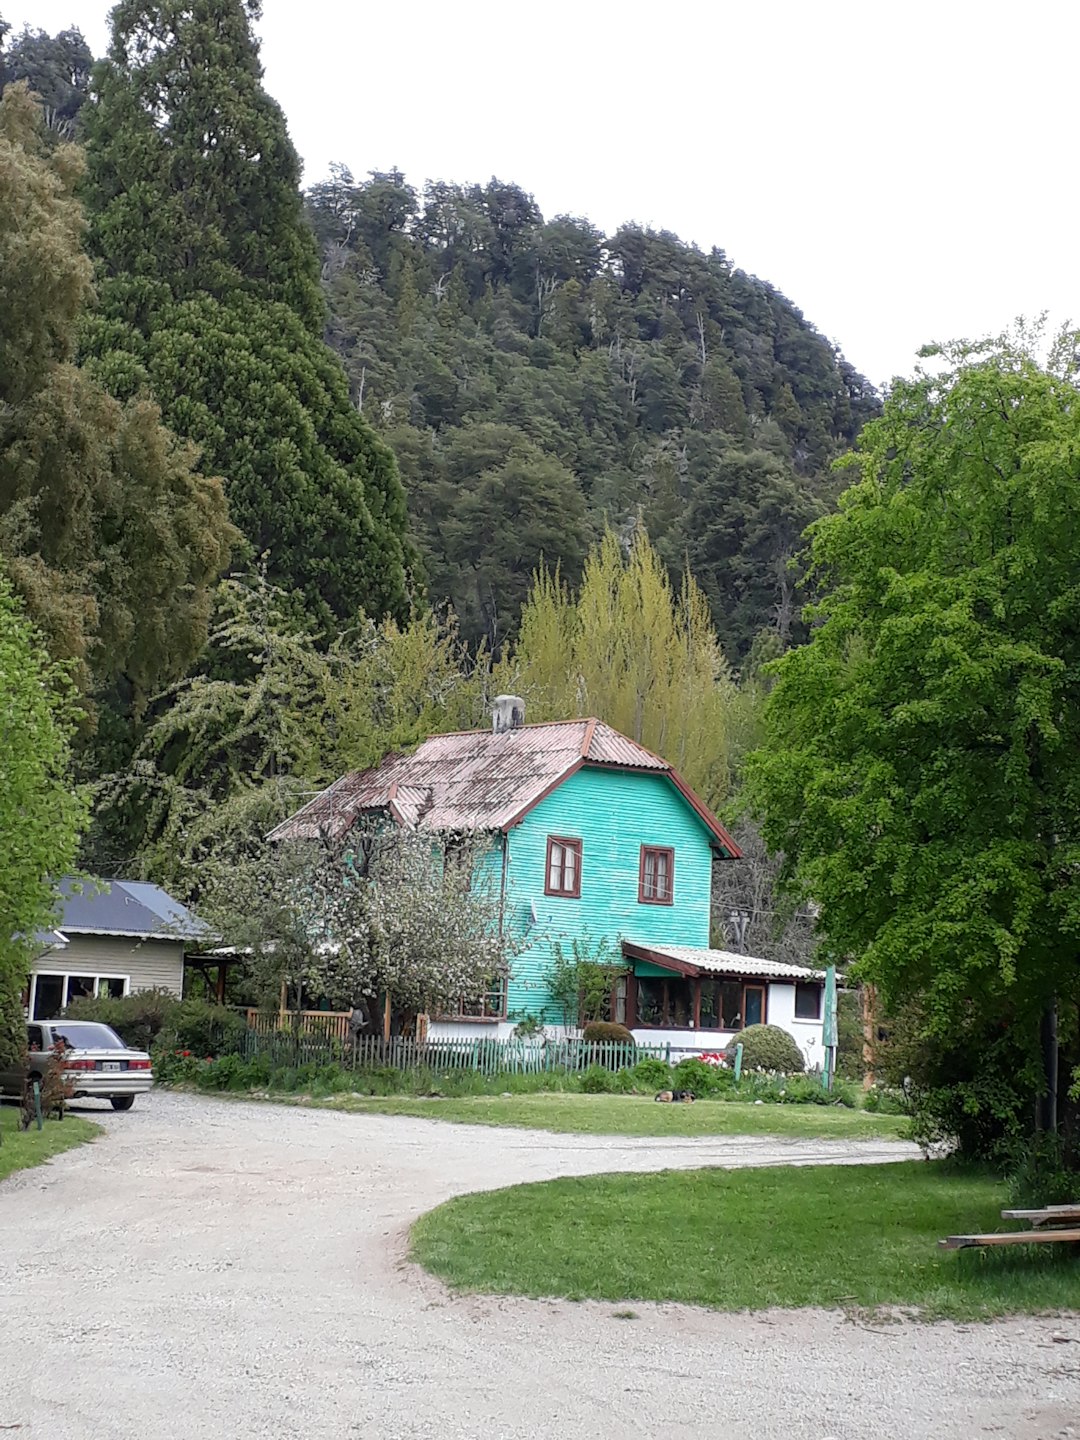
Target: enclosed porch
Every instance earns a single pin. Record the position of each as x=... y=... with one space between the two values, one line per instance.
x=699 y=999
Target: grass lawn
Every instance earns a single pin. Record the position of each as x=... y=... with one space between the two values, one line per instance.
x=566 y=1112
x=22 y=1148
x=833 y=1236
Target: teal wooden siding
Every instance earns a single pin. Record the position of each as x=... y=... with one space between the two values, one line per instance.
x=613 y=813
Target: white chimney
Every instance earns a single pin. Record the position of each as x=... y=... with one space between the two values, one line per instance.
x=507 y=713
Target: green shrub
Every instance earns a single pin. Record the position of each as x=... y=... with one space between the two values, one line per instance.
x=850 y=1040
x=702 y=1079
x=137 y=1018
x=598 y=1080
x=808 y=1090
x=799 y=1090
x=652 y=1074
x=881 y=1100
x=600 y=1031
x=204 y=1029
x=1040 y=1172
x=767 y=1047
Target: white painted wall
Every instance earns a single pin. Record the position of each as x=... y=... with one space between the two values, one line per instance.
x=688 y=1041
x=808 y=1034
x=477 y=1030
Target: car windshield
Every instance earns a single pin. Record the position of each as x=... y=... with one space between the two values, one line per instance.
x=87 y=1037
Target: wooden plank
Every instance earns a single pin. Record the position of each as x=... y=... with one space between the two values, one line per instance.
x=1048 y=1215
x=1009 y=1237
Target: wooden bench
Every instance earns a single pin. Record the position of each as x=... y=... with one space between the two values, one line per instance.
x=1052 y=1224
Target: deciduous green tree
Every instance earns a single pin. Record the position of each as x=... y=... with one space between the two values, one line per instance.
x=922 y=766
x=274 y=714
x=40 y=811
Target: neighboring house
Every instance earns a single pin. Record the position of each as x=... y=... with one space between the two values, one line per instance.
x=111 y=937
x=595 y=839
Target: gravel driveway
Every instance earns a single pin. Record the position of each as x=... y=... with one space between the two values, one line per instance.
x=219 y=1269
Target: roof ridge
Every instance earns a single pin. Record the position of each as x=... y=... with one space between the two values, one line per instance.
x=529 y=725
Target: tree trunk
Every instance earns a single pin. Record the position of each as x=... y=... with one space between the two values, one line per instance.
x=1048 y=1102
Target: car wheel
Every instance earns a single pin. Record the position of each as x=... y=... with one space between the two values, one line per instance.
x=121 y=1102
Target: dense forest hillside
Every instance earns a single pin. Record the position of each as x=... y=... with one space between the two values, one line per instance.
x=536 y=378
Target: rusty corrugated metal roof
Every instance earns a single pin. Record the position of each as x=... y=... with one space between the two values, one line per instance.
x=477 y=780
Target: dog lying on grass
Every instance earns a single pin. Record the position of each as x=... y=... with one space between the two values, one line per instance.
x=675 y=1097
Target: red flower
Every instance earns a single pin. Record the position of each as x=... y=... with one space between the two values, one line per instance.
x=186 y=1054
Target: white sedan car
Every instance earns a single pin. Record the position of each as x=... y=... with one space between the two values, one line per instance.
x=97 y=1063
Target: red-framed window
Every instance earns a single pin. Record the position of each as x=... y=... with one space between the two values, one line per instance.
x=656 y=877
x=563 y=873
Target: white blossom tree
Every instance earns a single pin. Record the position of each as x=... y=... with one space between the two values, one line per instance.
x=384 y=911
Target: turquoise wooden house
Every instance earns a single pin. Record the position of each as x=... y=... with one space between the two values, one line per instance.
x=593 y=839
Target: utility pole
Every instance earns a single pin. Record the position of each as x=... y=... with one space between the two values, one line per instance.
x=740 y=921
x=828 y=1029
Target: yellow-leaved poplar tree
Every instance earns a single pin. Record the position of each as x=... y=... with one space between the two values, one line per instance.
x=632 y=650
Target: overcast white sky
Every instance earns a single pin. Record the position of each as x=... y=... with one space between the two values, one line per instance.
x=903 y=170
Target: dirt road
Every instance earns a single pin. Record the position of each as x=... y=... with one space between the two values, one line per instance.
x=217 y=1269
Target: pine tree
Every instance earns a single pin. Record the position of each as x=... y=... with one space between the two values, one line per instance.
x=210 y=301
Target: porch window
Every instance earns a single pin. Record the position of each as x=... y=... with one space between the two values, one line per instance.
x=656 y=878
x=807 y=1001
x=563 y=875
x=650 y=1000
x=722 y=1004
x=666 y=1002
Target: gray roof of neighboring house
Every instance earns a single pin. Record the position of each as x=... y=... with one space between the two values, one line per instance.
x=125 y=907
x=482 y=780
x=716 y=962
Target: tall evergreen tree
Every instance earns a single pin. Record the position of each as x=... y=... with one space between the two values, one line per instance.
x=210 y=301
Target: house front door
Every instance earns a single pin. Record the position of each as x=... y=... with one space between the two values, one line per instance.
x=755 y=1004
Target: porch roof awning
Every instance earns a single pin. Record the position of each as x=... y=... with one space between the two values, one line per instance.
x=694 y=961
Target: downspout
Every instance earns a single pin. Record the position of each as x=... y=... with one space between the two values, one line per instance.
x=502 y=883
x=502 y=902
